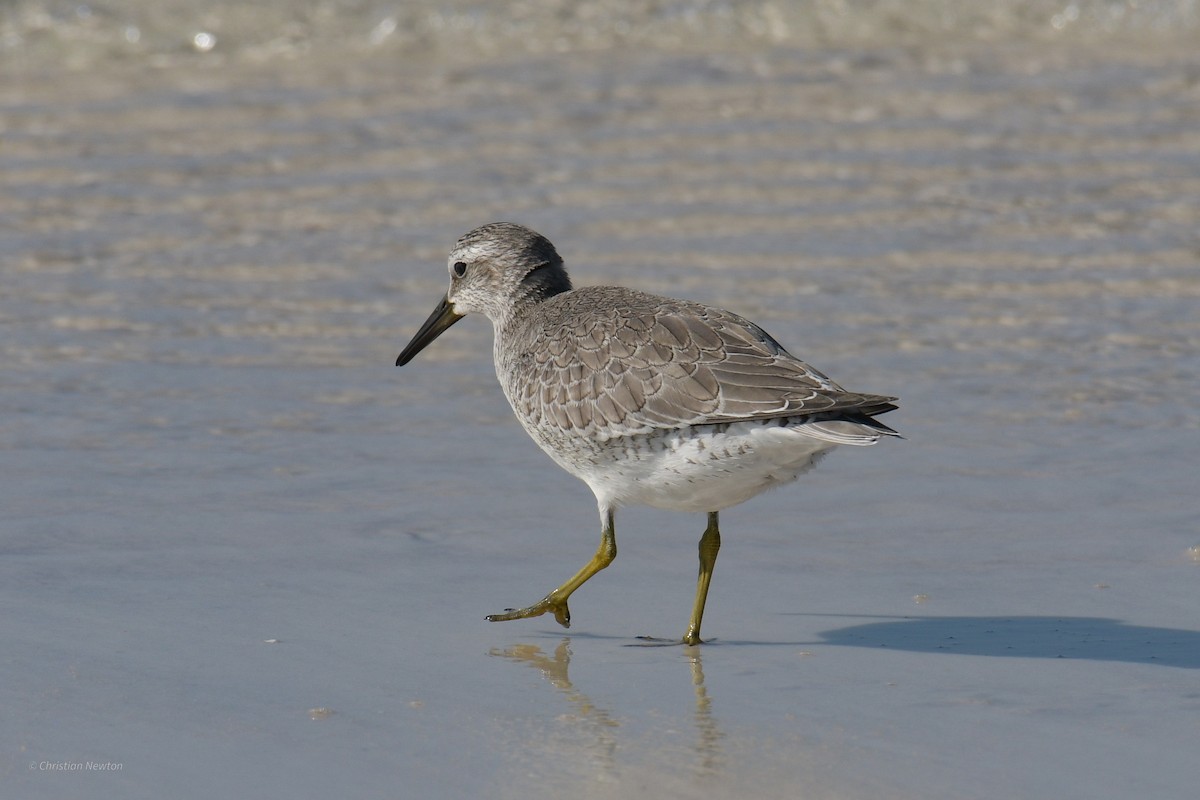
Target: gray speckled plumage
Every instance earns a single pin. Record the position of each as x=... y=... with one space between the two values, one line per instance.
x=648 y=399
x=609 y=362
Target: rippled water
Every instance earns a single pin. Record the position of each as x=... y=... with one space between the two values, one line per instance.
x=223 y=507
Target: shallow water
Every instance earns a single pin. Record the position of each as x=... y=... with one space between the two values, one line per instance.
x=240 y=553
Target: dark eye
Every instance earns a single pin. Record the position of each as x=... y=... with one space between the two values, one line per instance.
x=459 y=269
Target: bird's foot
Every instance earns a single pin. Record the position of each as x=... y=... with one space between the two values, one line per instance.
x=655 y=641
x=549 y=603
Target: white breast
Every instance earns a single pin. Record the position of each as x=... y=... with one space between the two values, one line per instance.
x=707 y=468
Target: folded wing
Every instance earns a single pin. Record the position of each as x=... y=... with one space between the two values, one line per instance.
x=641 y=363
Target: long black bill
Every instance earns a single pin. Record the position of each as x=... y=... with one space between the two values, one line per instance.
x=442 y=318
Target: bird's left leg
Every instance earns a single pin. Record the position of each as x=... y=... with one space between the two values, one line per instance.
x=556 y=601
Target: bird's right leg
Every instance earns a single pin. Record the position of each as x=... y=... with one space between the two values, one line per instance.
x=556 y=601
x=710 y=543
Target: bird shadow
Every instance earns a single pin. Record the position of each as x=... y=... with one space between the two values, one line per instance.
x=1086 y=638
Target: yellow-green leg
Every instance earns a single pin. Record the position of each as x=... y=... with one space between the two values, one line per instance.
x=710 y=543
x=556 y=601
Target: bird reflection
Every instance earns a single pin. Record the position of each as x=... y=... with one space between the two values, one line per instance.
x=709 y=735
x=554 y=669
x=601 y=724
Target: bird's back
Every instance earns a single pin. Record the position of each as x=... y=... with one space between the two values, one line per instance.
x=605 y=362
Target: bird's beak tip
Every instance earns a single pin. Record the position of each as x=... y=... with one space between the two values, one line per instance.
x=442 y=318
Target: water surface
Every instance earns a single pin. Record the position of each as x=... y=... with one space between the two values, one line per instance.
x=240 y=553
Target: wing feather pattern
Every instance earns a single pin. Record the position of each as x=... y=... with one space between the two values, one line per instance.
x=609 y=362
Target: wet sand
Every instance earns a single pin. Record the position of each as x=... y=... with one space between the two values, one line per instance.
x=240 y=553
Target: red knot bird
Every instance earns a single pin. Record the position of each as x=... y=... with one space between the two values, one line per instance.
x=649 y=400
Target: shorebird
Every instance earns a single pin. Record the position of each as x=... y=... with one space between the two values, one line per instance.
x=649 y=400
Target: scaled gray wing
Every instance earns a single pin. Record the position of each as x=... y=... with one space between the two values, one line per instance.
x=612 y=362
